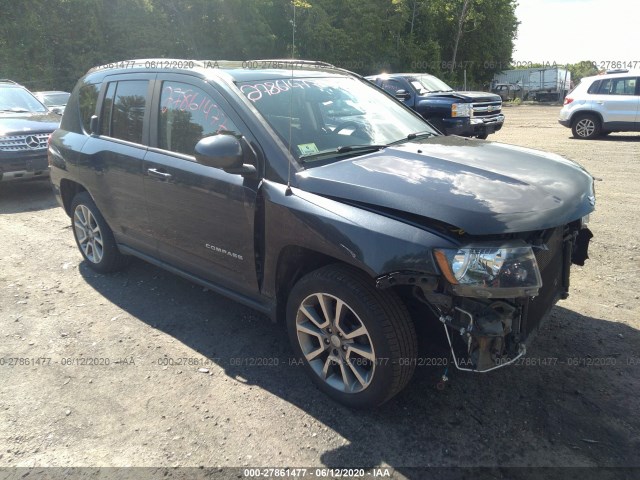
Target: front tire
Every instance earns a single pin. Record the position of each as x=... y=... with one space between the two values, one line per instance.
x=586 y=126
x=357 y=343
x=94 y=237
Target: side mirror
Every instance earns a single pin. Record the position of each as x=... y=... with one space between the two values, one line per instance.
x=93 y=125
x=223 y=151
x=403 y=95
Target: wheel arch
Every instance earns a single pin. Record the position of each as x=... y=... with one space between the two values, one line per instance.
x=68 y=190
x=577 y=114
x=294 y=262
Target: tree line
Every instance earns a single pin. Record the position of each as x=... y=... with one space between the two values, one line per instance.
x=49 y=44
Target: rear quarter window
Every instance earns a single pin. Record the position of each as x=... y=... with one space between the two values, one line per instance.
x=88 y=99
x=594 y=87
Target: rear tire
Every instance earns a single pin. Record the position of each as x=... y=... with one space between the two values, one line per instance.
x=357 y=343
x=94 y=237
x=586 y=126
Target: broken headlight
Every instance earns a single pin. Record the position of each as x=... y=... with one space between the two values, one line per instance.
x=505 y=271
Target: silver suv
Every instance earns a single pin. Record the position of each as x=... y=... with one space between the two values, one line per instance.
x=603 y=104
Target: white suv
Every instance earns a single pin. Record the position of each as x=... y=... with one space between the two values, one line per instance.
x=603 y=104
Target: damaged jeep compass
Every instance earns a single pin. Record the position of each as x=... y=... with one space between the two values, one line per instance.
x=305 y=192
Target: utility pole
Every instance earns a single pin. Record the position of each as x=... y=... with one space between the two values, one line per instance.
x=463 y=16
x=413 y=16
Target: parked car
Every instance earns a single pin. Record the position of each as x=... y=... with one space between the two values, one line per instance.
x=468 y=114
x=603 y=104
x=54 y=100
x=507 y=91
x=25 y=126
x=307 y=193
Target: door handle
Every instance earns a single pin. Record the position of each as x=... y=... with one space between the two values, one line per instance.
x=158 y=174
x=600 y=102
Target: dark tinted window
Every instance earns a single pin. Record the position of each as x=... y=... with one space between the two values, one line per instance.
x=107 y=107
x=88 y=98
x=128 y=110
x=594 y=87
x=605 y=86
x=188 y=114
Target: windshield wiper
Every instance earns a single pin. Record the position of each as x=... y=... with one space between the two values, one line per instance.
x=359 y=148
x=341 y=150
x=413 y=136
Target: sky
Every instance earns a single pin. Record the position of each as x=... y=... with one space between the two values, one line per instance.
x=569 y=31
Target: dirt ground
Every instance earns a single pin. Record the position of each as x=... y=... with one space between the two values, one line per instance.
x=143 y=368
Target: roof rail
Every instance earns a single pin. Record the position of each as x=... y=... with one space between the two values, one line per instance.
x=146 y=62
x=294 y=61
x=618 y=70
x=171 y=63
x=6 y=80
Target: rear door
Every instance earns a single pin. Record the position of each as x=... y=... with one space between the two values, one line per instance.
x=113 y=158
x=202 y=217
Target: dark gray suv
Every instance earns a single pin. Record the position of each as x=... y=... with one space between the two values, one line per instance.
x=307 y=193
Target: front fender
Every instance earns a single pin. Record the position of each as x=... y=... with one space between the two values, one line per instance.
x=369 y=241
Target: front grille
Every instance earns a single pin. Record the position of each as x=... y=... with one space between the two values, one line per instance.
x=484 y=109
x=552 y=263
x=28 y=142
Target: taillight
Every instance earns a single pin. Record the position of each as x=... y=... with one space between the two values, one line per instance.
x=567 y=100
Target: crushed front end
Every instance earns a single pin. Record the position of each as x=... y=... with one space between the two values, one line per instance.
x=493 y=295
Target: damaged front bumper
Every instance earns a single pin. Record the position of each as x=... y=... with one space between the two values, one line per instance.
x=486 y=332
x=493 y=333
x=485 y=337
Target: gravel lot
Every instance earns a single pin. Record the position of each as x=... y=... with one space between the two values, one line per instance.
x=143 y=368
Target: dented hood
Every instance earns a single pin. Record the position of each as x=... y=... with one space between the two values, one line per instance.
x=481 y=187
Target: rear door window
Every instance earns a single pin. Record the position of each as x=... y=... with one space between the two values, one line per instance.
x=128 y=110
x=123 y=108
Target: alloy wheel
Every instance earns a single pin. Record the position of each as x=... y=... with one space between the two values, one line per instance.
x=585 y=127
x=88 y=234
x=335 y=343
